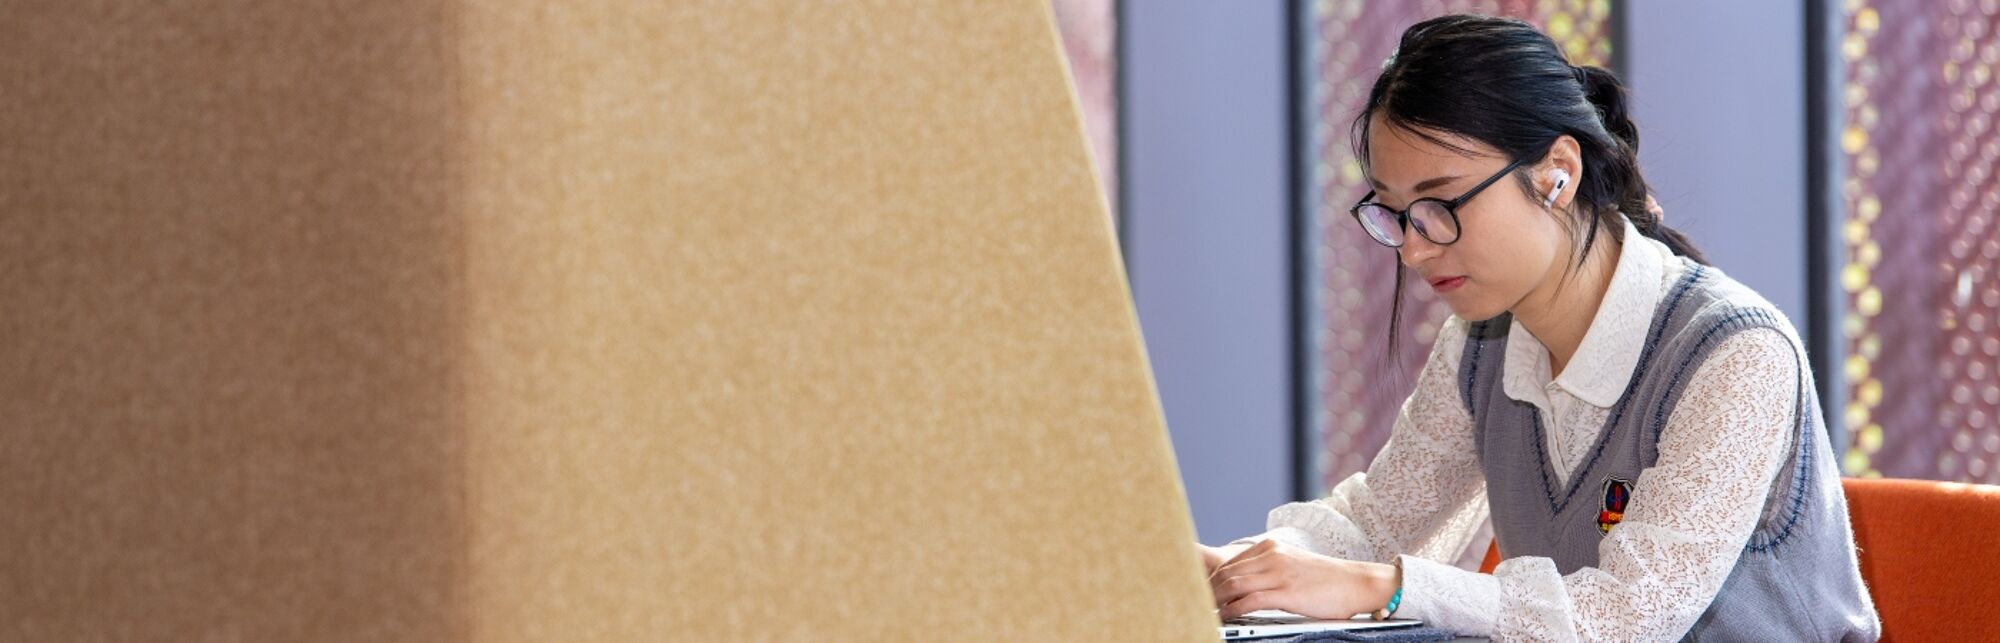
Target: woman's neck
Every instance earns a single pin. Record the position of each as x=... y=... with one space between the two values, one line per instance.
x=1560 y=310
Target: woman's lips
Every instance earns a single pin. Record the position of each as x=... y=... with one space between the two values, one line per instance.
x=1446 y=284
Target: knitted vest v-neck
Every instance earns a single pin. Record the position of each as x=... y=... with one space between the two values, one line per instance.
x=1796 y=579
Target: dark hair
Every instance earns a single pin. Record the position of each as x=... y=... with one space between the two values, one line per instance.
x=1501 y=82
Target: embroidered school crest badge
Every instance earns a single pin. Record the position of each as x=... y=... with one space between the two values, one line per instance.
x=1617 y=493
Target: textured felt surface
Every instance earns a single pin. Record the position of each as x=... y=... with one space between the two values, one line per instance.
x=425 y=320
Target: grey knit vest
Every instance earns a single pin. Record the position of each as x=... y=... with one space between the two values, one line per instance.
x=1797 y=578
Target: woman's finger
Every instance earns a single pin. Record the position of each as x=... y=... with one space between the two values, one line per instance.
x=1210 y=558
x=1247 y=562
x=1242 y=567
x=1251 y=602
x=1237 y=587
x=1255 y=550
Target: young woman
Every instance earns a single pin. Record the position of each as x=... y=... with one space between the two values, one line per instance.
x=1641 y=428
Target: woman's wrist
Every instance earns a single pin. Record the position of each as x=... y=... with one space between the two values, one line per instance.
x=1388 y=588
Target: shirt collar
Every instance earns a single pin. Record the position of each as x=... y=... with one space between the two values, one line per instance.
x=1604 y=361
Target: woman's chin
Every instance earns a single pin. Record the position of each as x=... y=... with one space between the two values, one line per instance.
x=1472 y=310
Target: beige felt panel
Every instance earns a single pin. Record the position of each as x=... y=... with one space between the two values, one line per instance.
x=556 y=321
x=229 y=312
x=805 y=320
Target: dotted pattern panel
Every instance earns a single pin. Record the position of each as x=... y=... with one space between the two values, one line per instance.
x=1922 y=326
x=1089 y=30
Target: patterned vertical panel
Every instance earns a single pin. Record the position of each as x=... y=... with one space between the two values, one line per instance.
x=1090 y=42
x=1358 y=386
x=1923 y=244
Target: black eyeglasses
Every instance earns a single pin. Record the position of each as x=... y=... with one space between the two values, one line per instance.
x=1436 y=219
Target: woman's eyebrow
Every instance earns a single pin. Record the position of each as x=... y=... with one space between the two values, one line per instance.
x=1423 y=185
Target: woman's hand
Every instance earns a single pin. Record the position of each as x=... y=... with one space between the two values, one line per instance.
x=1270 y=575
x=1213 y=557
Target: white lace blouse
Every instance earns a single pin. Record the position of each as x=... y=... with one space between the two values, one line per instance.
x=1423 y=498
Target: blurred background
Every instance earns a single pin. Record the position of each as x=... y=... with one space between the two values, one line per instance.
x=1835 y=155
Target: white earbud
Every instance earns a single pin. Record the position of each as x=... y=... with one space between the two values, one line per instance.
x=1562 y=181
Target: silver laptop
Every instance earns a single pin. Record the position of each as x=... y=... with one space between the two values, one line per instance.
x=1263 y=623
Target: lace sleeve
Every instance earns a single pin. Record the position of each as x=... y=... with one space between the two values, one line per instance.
x=1423 y=494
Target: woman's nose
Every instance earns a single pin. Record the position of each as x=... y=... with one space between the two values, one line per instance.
x=1417 y=249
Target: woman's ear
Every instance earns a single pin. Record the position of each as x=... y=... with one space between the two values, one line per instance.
x=1562 y=167
x=1558 y=179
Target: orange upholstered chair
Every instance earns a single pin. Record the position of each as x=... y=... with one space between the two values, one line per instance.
x=1930 y=553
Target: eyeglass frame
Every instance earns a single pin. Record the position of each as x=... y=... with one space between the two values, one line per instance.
x=1450 y=208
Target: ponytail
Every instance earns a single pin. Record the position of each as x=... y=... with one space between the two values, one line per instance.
x=1608 y=95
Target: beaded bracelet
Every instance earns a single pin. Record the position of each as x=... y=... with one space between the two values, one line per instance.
x=1395 y=600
